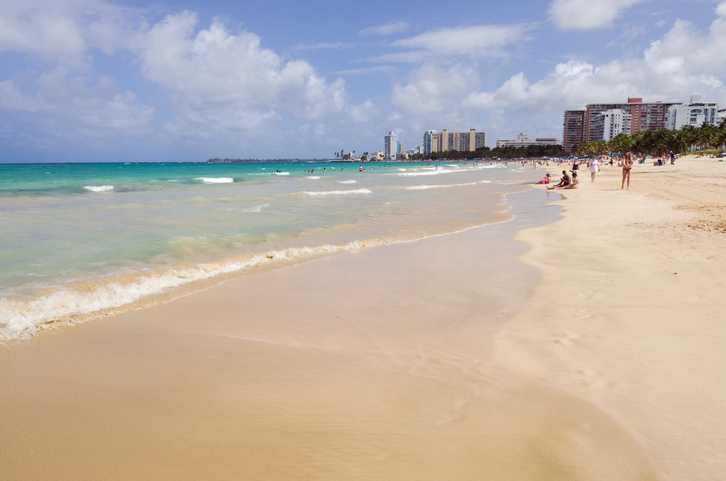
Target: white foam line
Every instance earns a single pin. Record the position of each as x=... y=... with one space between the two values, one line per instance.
x=216 y=180
x=339 y=192
x=433 y=172
x=99 y=188
x=21 y=320
x=424 y=187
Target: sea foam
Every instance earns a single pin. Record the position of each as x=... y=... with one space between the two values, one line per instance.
x=216 y=180
x=21 y=320
x=444 y=186
x=339 y=192
x=99 y=188
x=430 y=172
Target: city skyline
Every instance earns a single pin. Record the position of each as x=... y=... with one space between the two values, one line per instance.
x=85 y=80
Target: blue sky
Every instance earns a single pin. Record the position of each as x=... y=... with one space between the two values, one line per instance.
x=95 y=80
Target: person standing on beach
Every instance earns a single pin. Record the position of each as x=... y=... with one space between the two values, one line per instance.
x=575 y=166
x=627 y=167
x=594 y=168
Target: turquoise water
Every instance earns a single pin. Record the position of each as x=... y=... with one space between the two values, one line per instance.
x=76 y=239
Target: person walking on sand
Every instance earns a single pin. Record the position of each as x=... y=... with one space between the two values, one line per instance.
x=627 y=167
x=594 y=168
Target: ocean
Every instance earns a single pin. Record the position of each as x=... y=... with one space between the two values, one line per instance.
x=79 y=241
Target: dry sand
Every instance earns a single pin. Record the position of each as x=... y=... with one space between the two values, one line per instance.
x=631 y=311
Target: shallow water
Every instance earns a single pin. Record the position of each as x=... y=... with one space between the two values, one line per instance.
x=81 y=238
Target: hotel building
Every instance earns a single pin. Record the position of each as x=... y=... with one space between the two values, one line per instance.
x=445 y=141
x=390 y=146
x=696 y=113
x=642 y=115
x=523 y=141
x=573 y=129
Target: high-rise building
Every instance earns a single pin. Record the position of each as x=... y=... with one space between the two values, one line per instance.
x=460 y=141
x=696 y=113
x=427 y=141
x=573 y=129
x=643 y=116
x=613 y=122
x=390 y=146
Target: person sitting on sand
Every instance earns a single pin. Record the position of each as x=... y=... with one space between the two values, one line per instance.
x=574 y=183
x=564 y=181
x=547 y=179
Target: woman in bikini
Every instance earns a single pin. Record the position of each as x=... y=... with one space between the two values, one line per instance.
x=627 y=167
x=573 y=184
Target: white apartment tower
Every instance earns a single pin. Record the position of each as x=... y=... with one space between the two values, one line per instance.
x=696 y=113
x=615 y=122
x=390 y=146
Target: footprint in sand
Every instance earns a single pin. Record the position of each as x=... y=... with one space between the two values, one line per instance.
x=593 y=379
x=567 y=338
x=582 y=314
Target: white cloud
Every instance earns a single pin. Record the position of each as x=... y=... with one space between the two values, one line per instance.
x=62 y=106
x=387 y=29
x=63 y=31
x=478 y=41
x=684 y=61
x=224 y=82
x=434 y=91
x=587 y=14
x=12 y=99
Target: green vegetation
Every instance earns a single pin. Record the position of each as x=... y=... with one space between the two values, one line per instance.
x=655 y=142
x=501 y=152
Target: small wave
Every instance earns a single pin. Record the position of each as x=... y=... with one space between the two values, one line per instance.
x=20 y=320
x=74 y=305
x=347 y=181
x=401 y=170
x=339 y=192
x=432 y=172
x=313 y=177
x=425 y=187
x=216 y=180
x=99 y=188
x=257 y=208
x=282 y=173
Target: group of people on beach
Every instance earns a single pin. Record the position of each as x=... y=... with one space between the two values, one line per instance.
x=571 y=182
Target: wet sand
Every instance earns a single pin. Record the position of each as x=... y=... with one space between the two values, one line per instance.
x=377 y=364
x=630 y=311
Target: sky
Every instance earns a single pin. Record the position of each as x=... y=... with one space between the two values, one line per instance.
x=97 y=80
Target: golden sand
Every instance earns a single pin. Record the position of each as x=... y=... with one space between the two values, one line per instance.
x=630 y=311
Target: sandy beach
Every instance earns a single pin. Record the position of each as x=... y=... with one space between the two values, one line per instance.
x=629 y=314
x=589 y=347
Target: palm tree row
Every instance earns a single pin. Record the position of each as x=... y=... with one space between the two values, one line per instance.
x=655 y=142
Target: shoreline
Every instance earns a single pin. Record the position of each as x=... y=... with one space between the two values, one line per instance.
x=628 y=313
x=93 y=299
x=371 y=364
